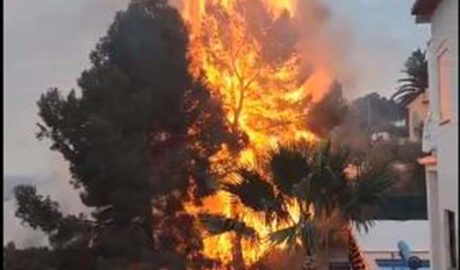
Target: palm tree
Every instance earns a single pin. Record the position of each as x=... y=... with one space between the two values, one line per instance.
x=218 y=224
x=314 y=178
x=416 y=69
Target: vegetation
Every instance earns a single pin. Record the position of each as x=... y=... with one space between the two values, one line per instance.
x=416 y=80
x=373 y=114
x=125 y=136
x=328 y=113
x=316 y=179
x=140 y=133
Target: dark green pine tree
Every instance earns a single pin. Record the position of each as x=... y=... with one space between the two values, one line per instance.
x=126 y=135
x=69 y=235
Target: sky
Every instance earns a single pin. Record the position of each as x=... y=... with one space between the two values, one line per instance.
x=47 y=43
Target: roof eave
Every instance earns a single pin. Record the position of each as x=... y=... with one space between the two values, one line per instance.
x=429 y=160
x=423 y=9
x=422 y=19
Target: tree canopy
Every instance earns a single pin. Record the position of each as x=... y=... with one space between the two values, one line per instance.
x=416 y=80
x=135 y=134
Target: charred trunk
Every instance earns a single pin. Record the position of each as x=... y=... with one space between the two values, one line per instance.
x=238 y=260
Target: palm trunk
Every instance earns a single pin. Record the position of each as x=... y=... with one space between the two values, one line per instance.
x=308 y=262
x=355 y=256
x=237 y=250
x=238 y=260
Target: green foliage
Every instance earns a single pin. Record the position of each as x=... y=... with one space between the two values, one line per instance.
x=287 y=235
x=254 y=192
x=288 y=167
x=135 y=88
x=36 y=211
x=366 y=195
x=305 y=231
x=32 y=258
x=69 y=236
x=64 y=232
x=126 y=135
x=315 y=177
x=328 y=189
x=416 y=81
x=328 y=179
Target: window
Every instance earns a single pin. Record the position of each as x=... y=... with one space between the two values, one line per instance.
x=445 y=107
x=451 y=239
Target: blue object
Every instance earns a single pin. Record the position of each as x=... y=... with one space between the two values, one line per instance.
x=411 y=260
x=388 y=264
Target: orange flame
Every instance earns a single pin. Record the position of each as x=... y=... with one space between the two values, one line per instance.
x=263 y=96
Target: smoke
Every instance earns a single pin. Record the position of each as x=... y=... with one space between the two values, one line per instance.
x=321 y=36
x=324 y=44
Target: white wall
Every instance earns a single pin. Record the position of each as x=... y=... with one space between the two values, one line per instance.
x=417 y=110
x=381 y=241
x=433 y=215
x=444 y=30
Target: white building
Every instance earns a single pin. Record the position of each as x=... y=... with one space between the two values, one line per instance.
x=380 y=244
x=417 y=109
x=442 y=132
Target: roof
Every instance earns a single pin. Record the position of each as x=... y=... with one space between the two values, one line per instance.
x=422 y=9
x=427 y=160
x=385 y=235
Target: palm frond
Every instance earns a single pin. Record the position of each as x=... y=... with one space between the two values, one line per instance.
x=367 y=195
x=289 y=166
x=328 y=177
x=308 y=235
x=217 y=224
x=405 y=96
x=339 y=159
x=414 y=86
x=409 y=80
x=287 y=235
x=254 y=192
x=416 y=69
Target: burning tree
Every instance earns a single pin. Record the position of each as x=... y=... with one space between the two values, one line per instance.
x=161 y=123
x=300 y=189
x=137 y=136
x=251 y=55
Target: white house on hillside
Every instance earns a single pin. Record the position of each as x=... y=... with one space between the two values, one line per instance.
x=417 y=109
x=441 y=135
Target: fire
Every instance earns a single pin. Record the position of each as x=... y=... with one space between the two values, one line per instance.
x=259 y=73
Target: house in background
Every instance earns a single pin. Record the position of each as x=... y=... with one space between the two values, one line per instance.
x=440 y=138
x=417 y=109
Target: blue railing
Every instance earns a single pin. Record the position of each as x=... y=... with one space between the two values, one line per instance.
x=400 y=265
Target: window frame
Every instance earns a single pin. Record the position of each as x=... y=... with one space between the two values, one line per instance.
x=443 y=91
